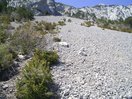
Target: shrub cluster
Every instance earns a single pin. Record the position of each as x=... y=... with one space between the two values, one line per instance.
x=87 y=23
x=6 y=57
x=36 y=77
x=61 y=23
x=27 y=36
x=128 y=21
x=45 y=27
x=3 y=5
x=3 y=36
x=22 y=13
x=19 y=13
x=119 y=25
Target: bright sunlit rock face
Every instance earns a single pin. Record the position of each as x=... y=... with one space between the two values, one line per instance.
x=112 y=12
x=45 y=7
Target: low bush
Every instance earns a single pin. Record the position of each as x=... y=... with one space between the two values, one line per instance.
x=35 y=82
x=49 y=56
x=4 y=19
x=128 y=21
x=6 y=57
x=87 y=24
x=61 y=23
x=36 y=79
x=29 y=35
x=3 y=5
x=118 y=25
x=3 y=36
x=46 y=26
x=23 y=42
x=24 y=13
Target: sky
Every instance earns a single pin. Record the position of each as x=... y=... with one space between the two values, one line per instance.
x=82 y=3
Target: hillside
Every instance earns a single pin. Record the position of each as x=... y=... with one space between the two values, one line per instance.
x=112 y=12
x=50 y=7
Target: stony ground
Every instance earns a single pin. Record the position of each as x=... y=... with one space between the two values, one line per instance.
x=96 y=65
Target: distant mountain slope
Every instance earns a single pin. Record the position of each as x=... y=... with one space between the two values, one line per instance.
x=39 y=7
x=45 y=7
x=112 y=12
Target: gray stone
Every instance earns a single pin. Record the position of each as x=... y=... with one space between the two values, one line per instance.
x=5 y=86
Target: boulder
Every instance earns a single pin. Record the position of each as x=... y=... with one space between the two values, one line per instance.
x=64 y=44
x=5 y=86
x=21 y=57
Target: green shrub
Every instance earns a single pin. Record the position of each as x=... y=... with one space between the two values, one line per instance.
x=35 y=82
x=3 y=36
x=3 y=5
x=128 y=21
x=4 y=25
x=118 y=25
x=23 y=42
x=6 y=57
x=45 y=27
x=24 y=13
x=49 y=56
x=5 y=19
x=87 y=24
x=61 y=23
x=36 y=77
x=27 y=37
x=56 y=39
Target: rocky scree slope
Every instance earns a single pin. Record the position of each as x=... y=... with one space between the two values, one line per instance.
x=96 y=65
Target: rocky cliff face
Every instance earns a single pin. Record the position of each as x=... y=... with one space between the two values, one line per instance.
x=112 y=12
x=39 y=7
x=45 y=7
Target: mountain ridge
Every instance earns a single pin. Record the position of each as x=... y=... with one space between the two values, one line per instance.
x=45 y=7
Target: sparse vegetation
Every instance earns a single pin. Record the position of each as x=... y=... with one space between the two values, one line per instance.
x=61 y=23
x=36 y=77
x=46 y=26
x=19 y=13
x=119 y=25
x=4 y=24
x=3 y=36
x=6 y=57
x=128 y=21
x=22 y=14
x=3 y=6
x=87 y=23
x=29 y=34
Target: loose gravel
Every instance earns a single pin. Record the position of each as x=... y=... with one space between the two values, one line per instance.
x=96 y=65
